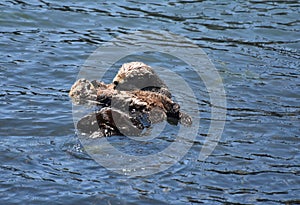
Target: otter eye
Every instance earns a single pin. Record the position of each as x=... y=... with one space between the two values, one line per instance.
x=116 y=82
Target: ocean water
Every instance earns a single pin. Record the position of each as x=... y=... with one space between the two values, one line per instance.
x=255 y=47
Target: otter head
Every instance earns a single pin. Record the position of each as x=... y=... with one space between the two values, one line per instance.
x=83 y=91
x=134 y=75
x=119 y=79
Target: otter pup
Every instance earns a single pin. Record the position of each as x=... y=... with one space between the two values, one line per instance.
x=139 y=76
x=138 y=102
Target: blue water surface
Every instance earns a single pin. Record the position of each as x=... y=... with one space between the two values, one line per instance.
x=255 y=46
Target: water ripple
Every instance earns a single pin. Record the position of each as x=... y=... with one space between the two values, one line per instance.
x=255 y=47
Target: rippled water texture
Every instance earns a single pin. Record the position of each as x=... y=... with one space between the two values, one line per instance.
x=255 y=45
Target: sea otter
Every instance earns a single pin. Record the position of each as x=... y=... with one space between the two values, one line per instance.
x=126 y=110
x=139 y=76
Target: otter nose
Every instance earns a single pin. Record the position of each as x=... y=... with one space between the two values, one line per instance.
x=116 y=82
